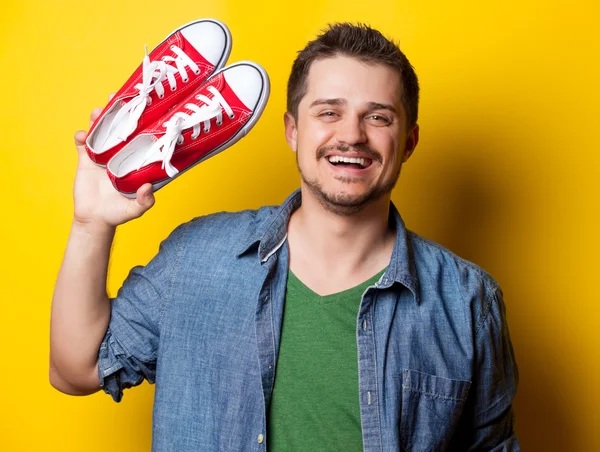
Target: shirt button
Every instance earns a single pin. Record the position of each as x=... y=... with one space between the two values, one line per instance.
x=261 y=438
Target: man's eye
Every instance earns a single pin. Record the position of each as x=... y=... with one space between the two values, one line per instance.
x=379 y=119
x=329 y=116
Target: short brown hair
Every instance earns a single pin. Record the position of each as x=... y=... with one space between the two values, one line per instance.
x=363 y=43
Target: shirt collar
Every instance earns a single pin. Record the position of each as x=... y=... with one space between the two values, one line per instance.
x=271 y=233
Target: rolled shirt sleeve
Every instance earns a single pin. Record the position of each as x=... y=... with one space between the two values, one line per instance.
x=489 y=411
x=128 y=352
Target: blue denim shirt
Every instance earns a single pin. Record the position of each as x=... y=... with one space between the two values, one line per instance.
x=202 y=320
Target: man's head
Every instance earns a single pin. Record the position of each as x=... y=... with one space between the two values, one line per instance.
x=351 y=94
x=364 y=44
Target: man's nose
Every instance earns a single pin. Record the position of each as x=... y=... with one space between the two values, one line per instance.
x=351 y=130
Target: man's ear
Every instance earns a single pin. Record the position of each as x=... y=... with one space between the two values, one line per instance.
x=411 y=143
x=291 y=132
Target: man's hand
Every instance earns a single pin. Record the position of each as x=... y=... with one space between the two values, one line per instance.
x=97 y=203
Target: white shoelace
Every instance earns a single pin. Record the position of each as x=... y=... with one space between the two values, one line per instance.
x=153 y=74
x=165 y=145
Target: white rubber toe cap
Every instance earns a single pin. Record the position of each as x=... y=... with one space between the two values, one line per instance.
x=211 y=38
x=248 y=81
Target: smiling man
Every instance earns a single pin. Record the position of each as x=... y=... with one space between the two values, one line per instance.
x=322 y=324
x=352 y=115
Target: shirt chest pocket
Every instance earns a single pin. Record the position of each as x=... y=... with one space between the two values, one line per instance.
x=430 y=410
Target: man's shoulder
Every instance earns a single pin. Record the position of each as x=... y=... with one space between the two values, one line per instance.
x=239 y=219
x=228 y=227
x=430 y=255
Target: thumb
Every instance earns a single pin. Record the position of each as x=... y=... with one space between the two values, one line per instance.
x=144 y=199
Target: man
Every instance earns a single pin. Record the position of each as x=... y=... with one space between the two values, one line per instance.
x=322 y=324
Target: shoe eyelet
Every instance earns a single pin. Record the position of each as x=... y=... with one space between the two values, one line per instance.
x=197 y=72
x=160 y=96
x=172 y=47
x=206 y=130
x=193 y=137
x=180 y=140
x=163 y=58
x=219 y=123
x=173 y=88
x=232 y=116
x=185 y=80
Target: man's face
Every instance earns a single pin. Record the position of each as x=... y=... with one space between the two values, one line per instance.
x=351 y=110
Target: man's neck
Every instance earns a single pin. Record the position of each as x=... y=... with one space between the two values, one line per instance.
x=332 y=252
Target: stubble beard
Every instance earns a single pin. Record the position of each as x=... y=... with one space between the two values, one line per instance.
x=345 y=204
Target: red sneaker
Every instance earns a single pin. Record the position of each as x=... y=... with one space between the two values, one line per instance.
x=218 y=114
x=174 y=69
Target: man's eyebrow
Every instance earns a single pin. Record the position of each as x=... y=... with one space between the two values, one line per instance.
x=341 y=102
x=378 y=106
x=338 y=102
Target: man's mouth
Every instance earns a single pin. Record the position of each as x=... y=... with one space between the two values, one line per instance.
x=350 y=162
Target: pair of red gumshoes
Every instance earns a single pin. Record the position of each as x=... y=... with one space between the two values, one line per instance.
x=180 y=107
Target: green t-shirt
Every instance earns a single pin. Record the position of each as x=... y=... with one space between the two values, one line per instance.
x=315 y=402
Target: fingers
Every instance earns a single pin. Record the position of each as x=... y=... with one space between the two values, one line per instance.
x=95 y=113
x=80 y=137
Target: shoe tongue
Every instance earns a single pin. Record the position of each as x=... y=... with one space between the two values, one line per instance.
x=218 y=81
x=175 y=40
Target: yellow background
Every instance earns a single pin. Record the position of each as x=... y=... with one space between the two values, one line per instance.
x=505 y=175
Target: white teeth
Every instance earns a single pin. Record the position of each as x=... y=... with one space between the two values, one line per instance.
x=339 y=158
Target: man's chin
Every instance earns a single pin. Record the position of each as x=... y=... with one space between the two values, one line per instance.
x=348 y=198
x=344 y=192
x=345 y=203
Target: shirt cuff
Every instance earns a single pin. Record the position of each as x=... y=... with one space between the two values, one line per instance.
x=118 y=370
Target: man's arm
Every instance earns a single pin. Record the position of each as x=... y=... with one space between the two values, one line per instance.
x=80 y=306
x=488 y=421
x=80 y=310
